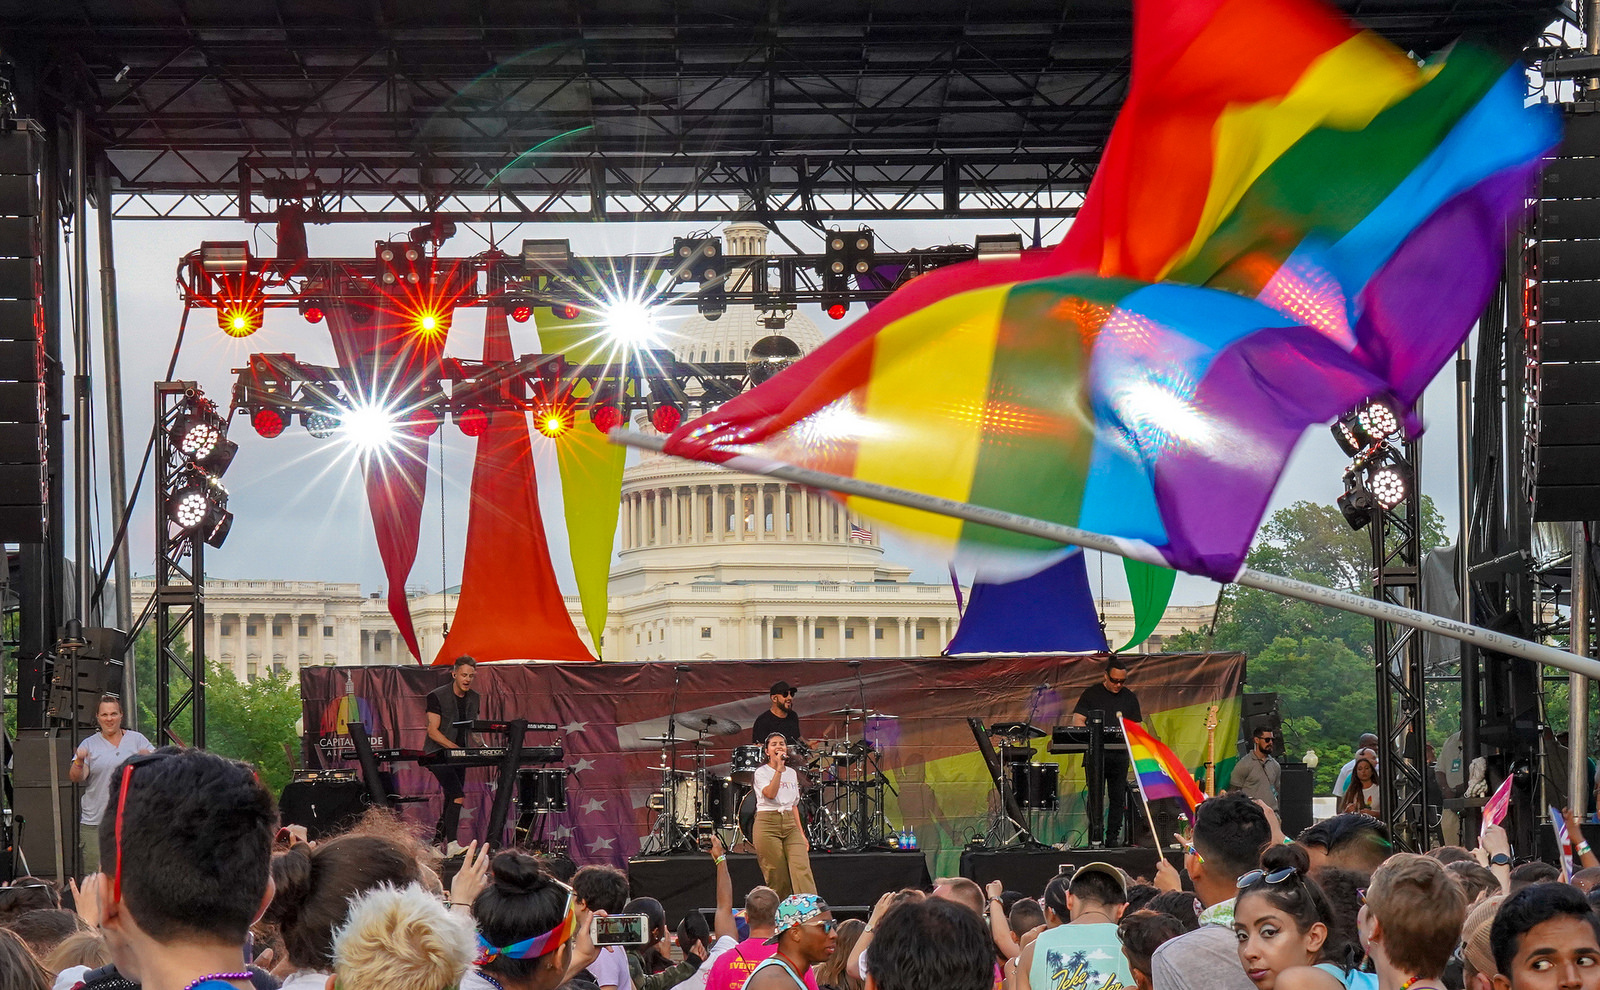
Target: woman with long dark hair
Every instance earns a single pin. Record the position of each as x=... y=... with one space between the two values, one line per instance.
x=1362 y=794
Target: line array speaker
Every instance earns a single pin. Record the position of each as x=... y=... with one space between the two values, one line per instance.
x=22 y=351
x=1562 y=447
x=46 y=801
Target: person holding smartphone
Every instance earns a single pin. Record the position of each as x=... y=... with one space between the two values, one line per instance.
x=782 y=849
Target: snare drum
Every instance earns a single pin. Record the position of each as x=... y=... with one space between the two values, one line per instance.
x=542 y=790
x=689 y=797
x=745 y=761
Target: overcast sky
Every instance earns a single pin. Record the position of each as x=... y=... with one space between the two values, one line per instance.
x=299 y=508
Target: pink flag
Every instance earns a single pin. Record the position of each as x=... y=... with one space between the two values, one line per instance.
x=1494 y=810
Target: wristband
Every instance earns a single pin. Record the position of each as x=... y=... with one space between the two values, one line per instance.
x=1583 y=847
x=720 y=860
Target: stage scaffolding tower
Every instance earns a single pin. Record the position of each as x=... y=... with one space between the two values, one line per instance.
x=180 y=592
x=1401 y=669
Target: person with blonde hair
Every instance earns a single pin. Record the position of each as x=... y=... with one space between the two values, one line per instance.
x=401 y=938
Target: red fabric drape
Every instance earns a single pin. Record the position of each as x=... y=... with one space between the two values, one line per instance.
x=388 y=366
x=511 y=607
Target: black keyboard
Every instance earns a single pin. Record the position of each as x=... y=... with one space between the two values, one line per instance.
x=484 y=726
x=1075 y=739
x=480 y=756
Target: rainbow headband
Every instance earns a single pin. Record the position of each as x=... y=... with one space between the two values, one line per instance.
x=538 y=945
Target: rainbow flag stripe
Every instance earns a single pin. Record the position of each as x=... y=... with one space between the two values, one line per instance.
x=1161 y=774
x=1267 y=242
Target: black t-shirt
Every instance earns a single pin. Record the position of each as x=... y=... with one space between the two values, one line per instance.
x=768 y=723
x=451 y=709
x=1097 y=699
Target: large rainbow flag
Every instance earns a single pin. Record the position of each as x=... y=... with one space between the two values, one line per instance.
x=1159 y=771
x=1268 y=241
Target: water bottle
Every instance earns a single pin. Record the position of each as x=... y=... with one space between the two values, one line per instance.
x=911 y=834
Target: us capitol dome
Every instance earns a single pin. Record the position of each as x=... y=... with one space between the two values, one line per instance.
x=715 y=563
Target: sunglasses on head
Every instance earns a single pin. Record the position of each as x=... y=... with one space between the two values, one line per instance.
x=1256 y=876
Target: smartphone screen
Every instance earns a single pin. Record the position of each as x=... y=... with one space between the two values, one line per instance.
x=621 y=929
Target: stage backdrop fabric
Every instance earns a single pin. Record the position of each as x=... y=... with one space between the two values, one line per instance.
x=605 y=711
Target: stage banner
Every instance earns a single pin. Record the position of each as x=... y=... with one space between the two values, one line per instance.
x=607 y=713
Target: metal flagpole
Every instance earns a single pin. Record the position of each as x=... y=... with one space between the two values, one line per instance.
x=1135 y=550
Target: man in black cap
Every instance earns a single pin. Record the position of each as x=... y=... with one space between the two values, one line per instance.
x=779 y=718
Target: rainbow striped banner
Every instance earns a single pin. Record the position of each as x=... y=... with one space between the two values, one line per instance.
x=1159 y=771
x=1267 y=242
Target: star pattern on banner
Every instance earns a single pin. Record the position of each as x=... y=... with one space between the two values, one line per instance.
x=594 y=804
x=584 y=763
x=572 y=727
x=561 y=832
x=599 y=844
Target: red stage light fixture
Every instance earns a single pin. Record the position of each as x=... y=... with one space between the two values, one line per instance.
x=313 y=314
x=431 y=324
x=666 y=418
x=267 y=421
x=605 y=417
x=473 y=422
x=423 y=423
x=521 y=312
x=240 y=317
x=567 y=311
x=837 y=311
x=554 y=418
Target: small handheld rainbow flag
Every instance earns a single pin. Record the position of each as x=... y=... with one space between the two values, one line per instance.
x=1159 y=771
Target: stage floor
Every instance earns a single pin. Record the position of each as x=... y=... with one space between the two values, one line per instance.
x=853 y=882
x=847 y=880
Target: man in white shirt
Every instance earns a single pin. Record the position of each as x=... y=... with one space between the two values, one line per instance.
x=92 y=764
x=693 y=927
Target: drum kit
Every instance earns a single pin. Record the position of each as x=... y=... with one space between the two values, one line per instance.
x=842 y=786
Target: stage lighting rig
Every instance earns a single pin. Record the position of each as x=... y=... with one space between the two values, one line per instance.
x=1375 y=421
x=200 y=436
x=700 y=259
x=846 y=255
x=199 y=509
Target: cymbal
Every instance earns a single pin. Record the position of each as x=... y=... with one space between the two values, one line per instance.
x=685 y=773
x=680 y=740
x=877 y=715
x=847 y=711
x=1015 y=729
x=711 y=725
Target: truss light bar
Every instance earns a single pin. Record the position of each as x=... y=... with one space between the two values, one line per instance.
x=224 y=257
x=551 y=254
x=998 y=245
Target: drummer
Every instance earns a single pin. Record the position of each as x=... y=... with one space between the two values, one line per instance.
x=778 y=718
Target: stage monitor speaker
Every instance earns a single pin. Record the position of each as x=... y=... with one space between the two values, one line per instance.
x=37 y=814
x=1260 y=709
x=324 y=807
x=1561 y=458
x=1295 y=790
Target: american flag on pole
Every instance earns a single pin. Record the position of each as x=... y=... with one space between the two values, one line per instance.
x=859 y=532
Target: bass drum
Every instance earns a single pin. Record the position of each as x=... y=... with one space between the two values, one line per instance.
x=747 y=815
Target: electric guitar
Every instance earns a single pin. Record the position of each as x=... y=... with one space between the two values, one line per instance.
x=1211 y=750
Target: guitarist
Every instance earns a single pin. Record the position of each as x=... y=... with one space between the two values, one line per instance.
x=1257 y=773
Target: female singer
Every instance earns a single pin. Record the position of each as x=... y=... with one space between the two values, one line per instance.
x=779 y=836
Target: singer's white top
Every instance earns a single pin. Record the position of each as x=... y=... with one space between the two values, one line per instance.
x=788 y=789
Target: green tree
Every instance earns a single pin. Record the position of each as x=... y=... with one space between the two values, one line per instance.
x=1318 y=659
x=245 y=720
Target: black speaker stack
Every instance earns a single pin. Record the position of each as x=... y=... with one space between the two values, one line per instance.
x=79 y=679
x=22 y=338
x=46 y=802
x=1562 y=444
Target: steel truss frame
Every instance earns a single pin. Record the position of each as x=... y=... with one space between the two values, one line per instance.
x=1401 y=670
x=768 y=282
x=815 y=188
x=180 y=601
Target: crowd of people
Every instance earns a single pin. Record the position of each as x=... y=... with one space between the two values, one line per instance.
x=200 y=889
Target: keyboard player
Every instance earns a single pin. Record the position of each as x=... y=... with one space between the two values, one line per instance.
x=451 y=711
x=1110 y=697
